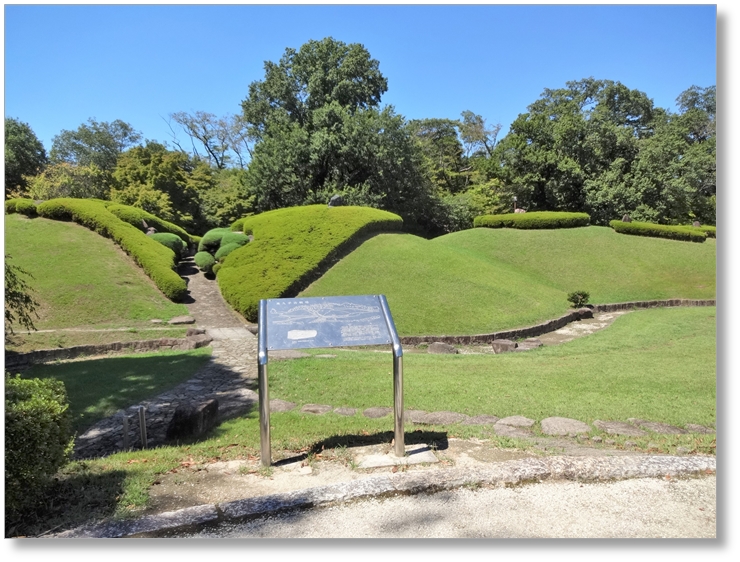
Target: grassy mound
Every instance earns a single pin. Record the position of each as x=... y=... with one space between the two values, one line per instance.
x=537 y=219
x=484 y=280
x=157 y=261
x=289 y=246
x=82 y=279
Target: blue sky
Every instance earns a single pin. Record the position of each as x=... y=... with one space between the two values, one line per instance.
x=139 y=63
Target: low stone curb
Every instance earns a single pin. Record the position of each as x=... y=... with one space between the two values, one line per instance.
x=508 y=473
x=15 y=360
x=552 y=325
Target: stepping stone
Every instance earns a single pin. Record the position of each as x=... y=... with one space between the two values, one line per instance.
x=503 y=346
x=563 y=426
x=377 y=412
x=694 y=428
x=316 y=409
x=414 y=416
x=619 y=428
x=481 y=420
x=529 y=343
x=345 y=411
x=441 y=347
x=182 y=320
x=511 y=431
x=656 y=427
x=278 y=405
x=325 y=356
x=517 y=421
x=443 y=418
x=156 y=321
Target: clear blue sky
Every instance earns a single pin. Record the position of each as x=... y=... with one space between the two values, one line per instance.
x=139 y=63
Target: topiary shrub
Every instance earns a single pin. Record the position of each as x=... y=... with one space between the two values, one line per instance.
x=172 y=241
x=538 y=219
x=157 y=261
x=238 y=238
x=225 y=250
x=211 y=240
x=134 y=216
x=578 y=298
x=689 y=234
x=290 y=246
x=21 y=206
x=216 y=267
x=38 y=437
x=204 y=261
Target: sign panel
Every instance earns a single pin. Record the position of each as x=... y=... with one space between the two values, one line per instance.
x=326 y=322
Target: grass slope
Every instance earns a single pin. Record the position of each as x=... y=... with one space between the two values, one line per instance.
x=82 y=279
x=483 y=280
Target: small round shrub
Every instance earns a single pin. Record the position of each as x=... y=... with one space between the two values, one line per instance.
x=38 y=438
x=578 y=298
x=172 y=241
x=234 y=238
x=237 y=225
x=225 y=250
x=211 y=240
x=22 y=206
x=204 y=261
x=216 y=267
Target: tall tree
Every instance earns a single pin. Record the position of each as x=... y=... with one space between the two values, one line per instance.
x=222 y=138
x=24 y=156
x=98 y=143
x=319 y=131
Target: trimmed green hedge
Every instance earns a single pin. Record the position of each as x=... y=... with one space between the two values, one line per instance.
x=172 y=241
x=157 y=261
x=22 y=206
x=211 y=240
x=134 y=216
x=38 y=438
x=689 y=234
x=711 y=231
x=234 y=238
x=290 y=246
x=205 y=261
x=535 y=219
x=225 y=250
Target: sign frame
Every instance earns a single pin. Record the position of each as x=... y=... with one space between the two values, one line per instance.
x=341 y=321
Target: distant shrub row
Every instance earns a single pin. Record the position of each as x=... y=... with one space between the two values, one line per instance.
x=157 y=261
x=21 y=206
x=687 y=233
x=38 y=437
x=134 y=216
x=215 y=245
x=535 y=219
x=289 y=247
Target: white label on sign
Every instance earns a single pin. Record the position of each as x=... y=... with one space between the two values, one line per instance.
x=301 y=334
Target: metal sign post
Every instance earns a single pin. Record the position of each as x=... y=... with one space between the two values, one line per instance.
x=312 y=322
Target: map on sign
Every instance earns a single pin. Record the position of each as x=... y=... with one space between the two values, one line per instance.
x=326 y=322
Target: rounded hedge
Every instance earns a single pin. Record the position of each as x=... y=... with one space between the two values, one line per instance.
x=21 y=206
x=205 y=261
x=234 y=238
x=225 y=250
x=689 y=234
x=172 y=241
x=211 y=240
x=38 y=438
x=533 y=220
x=134 y=216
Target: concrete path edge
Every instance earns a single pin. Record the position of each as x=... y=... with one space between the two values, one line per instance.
x=508 y=473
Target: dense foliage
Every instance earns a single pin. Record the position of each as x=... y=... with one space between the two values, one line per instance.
x=25 y=156
x=38 y=439
x=20 y=305
x=157 y=261
x=21 y=205
x=289 y=247
x=542 y=219
x=659 y=231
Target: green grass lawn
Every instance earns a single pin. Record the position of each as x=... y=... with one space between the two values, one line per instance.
x=100 y=387
x=484 y=280
x=82 y=279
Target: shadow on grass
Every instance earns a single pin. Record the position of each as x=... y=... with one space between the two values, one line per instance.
x=98 y=388
x=67 y=502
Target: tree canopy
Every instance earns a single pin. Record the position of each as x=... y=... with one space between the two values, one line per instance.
x=24 y=156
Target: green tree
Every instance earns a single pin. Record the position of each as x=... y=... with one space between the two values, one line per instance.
x=163 y=182
x=20 y=305
x=67 y=180
x=443 y=152
x=319 y=131
x=24 y=156
x=228 y=200
x=98 y=143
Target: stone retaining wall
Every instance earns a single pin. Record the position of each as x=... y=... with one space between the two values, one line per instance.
x=552 y=325
x=15 y=360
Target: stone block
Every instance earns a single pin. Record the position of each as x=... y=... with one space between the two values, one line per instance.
x=503 y=346
x=441 y=347
x=177 y=320
x=192 y=421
